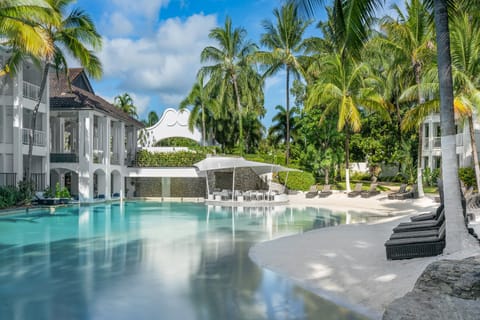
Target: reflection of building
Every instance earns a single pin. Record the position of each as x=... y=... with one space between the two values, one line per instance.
x=18 y=95
x=431 y=148
x=91 y=140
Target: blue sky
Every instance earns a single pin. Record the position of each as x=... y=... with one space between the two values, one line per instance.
x=151 y=48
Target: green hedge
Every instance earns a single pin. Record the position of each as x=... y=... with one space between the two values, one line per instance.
x=297 y=180
x=168 y=159
x=467 y=175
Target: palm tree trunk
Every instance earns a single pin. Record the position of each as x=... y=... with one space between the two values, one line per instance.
x=240 y=114
x=204 y=134
x=456 y=232
x=287 y=114
x=474 y=151
x=347 y=159
x=31 y=134
x=420 y=193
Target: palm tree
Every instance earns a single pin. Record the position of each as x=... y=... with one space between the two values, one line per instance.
x=201 y=100
x=152 y=118
x=125 y=103
x=75 y=35
x=362 y=11
x=231 y=68
x=409 y=39
x=345 y=89
x=20 y=22
x=278 y=131
x=284 y=39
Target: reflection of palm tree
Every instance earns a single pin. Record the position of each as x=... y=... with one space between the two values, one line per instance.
x=285 y=42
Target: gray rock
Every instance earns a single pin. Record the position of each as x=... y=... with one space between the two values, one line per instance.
x=447 y=289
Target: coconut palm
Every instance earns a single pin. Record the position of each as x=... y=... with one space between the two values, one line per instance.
x=20 y=28
x=346 y=90
x=75 y=35
x=285 y=40
x=125 y=103
x=152 y=118
x=278 y=132
x=409 y=39
x=231 y=70
x=202 y=102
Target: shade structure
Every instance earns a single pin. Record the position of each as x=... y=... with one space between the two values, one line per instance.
x=221 y=163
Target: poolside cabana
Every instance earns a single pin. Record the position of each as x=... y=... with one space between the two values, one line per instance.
x=248 y=193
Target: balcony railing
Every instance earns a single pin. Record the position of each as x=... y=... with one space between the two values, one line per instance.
x=31 y=91
x=437 y=142
x=64 y=157
x=39 y=137
x=8 y=179
x=97 y=156
x=114 y=158
x=38 y=181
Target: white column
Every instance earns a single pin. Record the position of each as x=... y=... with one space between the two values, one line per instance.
x=107 y=168
x=122 y=143
x=18 y=124
x=85 y=174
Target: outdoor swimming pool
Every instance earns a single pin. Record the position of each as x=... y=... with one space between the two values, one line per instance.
x=148 y=260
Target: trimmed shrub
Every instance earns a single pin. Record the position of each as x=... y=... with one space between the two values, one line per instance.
x=9 y=197
x=168 y=159
x=297 y=180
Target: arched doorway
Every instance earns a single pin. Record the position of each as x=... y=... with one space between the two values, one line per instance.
x=115 y=183
x=99 y=184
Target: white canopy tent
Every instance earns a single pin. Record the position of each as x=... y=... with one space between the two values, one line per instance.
x=222 y=163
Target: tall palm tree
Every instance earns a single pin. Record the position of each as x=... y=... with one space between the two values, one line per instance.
x=231 y=68
x=125 y=103
x=346 y=90
x=20 y=27
x=76 y=36
x=152 y=118
x=285 y=40
x=409 y=39
x=201 y=99
x=362 y=11
x=278 y=131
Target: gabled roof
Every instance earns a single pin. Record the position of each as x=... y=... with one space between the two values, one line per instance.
x=75 y=97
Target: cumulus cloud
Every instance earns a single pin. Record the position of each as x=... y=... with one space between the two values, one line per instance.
x=164 y=63
x=146 y=8
x=118 y=25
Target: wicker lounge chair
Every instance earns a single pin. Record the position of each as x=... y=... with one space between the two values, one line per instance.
x=402 y=189
x=325 y=192
x=415 y=247
x=428 y=216
x=356 y=191
x=371 y=192
x=421 y=225
x=407 y=194
x=312 y=193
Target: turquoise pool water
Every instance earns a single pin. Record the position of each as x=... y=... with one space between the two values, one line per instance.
x=147 y=260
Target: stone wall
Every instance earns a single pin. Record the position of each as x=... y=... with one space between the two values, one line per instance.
x=245 y=179
x=167 y=187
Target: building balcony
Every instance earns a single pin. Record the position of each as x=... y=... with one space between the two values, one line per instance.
x=39 y=137
x=97 y=156
x=64 y=157
x=8 y=179
x=31 y=91
x=437 y=143
x=114 y=158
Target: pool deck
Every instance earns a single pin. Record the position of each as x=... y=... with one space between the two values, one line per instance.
x=347 y=264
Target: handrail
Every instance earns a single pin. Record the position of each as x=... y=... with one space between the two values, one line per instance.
x=39 y=137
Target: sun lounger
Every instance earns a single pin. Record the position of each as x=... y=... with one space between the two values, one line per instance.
x=356 y=191
x=407 y=194
x=312 y=192
x=415 y=247
x=417 y=234
x=421 y=225
x=429 y=215
x=402 y=189
x=371 y=192
x=325 y=192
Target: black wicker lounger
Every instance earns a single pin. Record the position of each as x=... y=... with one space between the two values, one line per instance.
x=407 y=248
x=428 y=216
x=371 y=192
x=421 y=225
x=325 y=192
x=356 y=191
x=414 y=234
x=402 y=189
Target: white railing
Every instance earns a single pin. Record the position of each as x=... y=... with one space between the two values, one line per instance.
x=31 y=91
x=114 y=158
x=97 y=156
x=39 y=137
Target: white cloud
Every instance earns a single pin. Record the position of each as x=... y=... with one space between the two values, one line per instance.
x=146 y=8
x=118 y=25
x=164 y=63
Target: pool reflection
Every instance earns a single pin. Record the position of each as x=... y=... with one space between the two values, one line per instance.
x=152 y=261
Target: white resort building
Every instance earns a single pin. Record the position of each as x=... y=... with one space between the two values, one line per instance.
x=92 y=141
x=18 y=96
